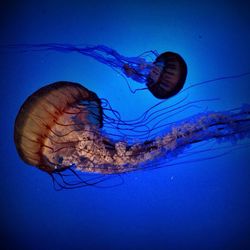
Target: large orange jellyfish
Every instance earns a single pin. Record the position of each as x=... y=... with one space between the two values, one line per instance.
x=59 y=128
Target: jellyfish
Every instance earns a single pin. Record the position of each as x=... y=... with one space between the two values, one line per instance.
x=61 y=127
x=163 y=75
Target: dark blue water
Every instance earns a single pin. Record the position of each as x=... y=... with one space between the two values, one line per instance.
x=201 y=205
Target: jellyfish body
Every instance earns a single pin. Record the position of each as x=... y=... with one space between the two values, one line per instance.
x=167 y=76
x=163 y=75
x=60 y=127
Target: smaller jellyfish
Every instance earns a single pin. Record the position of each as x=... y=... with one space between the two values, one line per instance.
x=163 y=75
x=61 y=126
x=164 y=78
x=167 y=76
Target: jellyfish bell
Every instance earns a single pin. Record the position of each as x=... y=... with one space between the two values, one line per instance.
x=167 y=76
x=46 y=126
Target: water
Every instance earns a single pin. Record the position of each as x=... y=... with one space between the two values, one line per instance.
x=202 y=205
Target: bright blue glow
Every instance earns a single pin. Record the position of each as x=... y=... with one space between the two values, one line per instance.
x=202 y=205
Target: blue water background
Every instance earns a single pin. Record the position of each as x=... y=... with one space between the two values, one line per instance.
x=202 y=205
